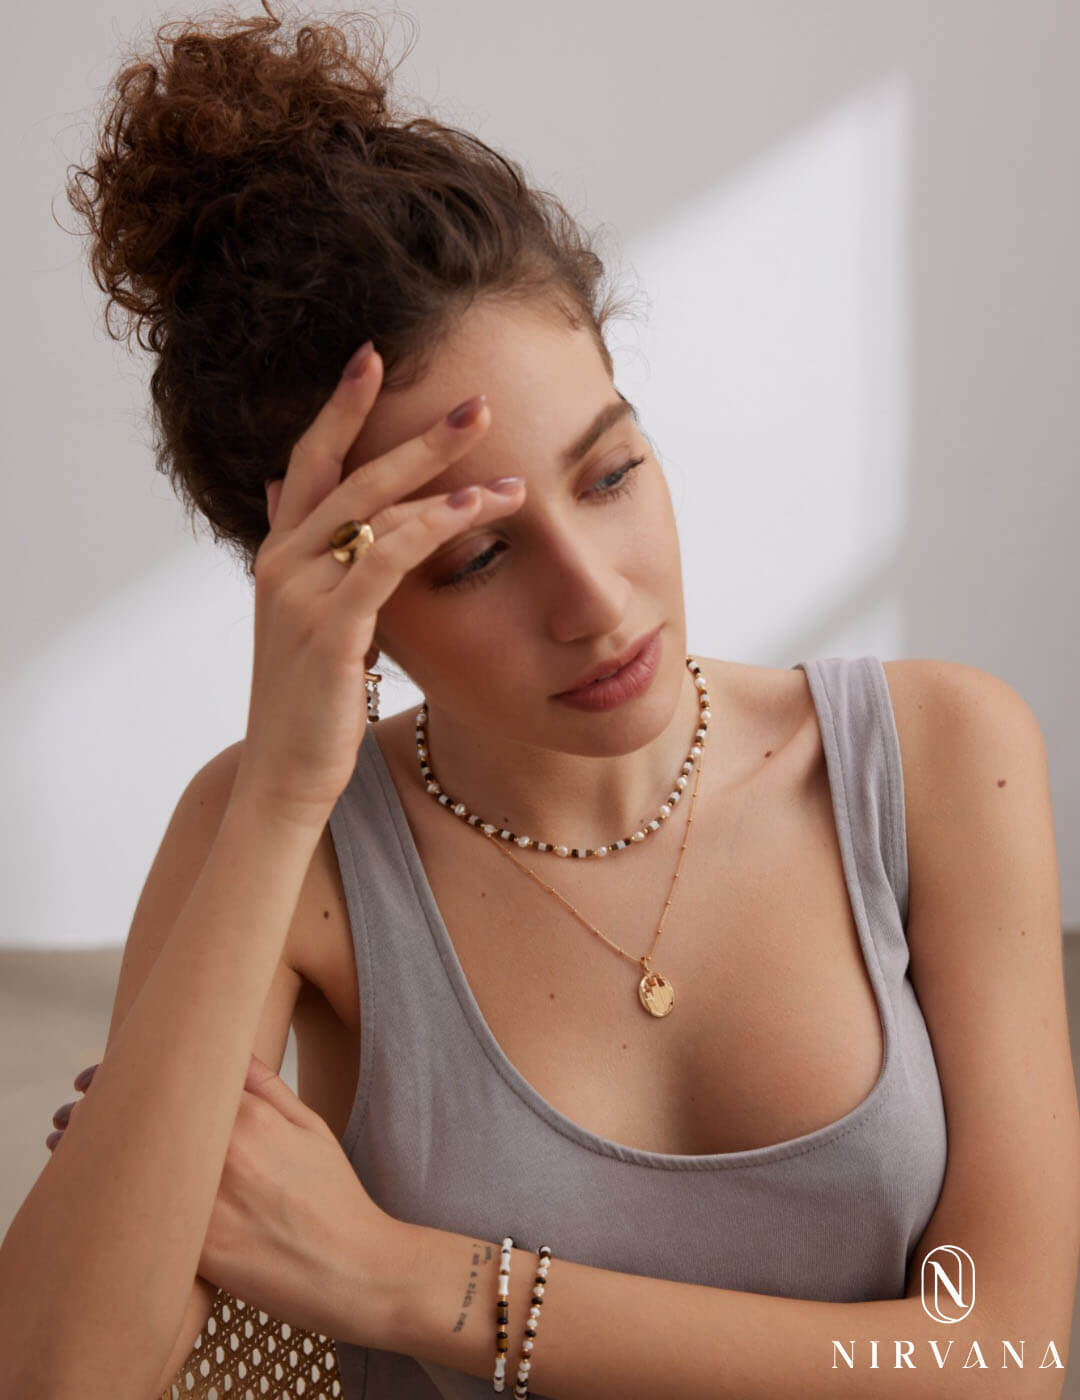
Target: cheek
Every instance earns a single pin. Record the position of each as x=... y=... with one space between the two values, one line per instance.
x=651 y=530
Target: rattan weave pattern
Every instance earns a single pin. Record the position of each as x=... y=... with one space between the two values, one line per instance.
x=243 y=1353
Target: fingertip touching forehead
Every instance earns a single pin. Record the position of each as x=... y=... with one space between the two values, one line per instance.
x=549 y=393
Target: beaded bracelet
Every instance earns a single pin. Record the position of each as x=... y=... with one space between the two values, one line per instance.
x=521 y=1386
x=502 y=1316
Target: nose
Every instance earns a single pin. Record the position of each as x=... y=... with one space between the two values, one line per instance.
x=589 y=597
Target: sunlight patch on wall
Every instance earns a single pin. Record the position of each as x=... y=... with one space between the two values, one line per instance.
x=779 y=398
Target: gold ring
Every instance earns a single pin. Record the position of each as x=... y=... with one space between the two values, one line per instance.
x=350 y=540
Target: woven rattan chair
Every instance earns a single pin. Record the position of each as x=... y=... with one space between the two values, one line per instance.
x=245 y=1354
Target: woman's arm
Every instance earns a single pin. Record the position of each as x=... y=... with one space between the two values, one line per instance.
x=603 y=1334
x=106 y=1245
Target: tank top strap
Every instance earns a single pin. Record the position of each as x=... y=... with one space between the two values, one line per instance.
x=403 y=991
x=863 y=749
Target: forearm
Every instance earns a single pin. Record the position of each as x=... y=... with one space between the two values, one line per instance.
x=107 y=1244
x=605 y=1334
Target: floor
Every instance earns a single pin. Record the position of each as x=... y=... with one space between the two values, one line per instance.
x=54 y=1016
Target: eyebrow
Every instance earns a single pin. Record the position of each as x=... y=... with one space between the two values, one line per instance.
x=608 y=416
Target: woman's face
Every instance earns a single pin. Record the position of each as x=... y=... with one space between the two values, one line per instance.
x=499 y=618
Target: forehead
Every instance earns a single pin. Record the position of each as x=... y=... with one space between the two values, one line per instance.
x=544 y=380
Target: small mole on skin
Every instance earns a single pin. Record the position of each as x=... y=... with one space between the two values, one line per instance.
x=551 y=996
x=624 y=1045
x=326 y=913
x=1001 y=782
x=768 y=753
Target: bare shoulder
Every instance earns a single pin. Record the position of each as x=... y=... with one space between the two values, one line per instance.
x=957 y=726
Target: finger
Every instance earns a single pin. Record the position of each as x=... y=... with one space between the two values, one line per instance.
x=62 y=1115
x=84 y=1076
x=325 y=572
x=53 y=1139
x=385 y=480
x=265 y=1084
x=371 y=581
x=316 y=462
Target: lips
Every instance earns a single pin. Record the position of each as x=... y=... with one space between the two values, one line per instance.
x=612 y=664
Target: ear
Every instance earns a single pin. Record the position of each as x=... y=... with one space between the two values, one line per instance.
x=273 y=494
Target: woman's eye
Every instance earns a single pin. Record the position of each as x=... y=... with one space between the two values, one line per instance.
x=476 y=570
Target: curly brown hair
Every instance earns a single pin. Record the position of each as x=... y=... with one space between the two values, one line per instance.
x=259 y=210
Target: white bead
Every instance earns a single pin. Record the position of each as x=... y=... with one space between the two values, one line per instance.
x=706 y=713
x=700 y=682
x=665 y=812
x=489 y=828
x=681 y=781
x=505 y=835
x=524 y=841
x=638 y=836
x=538 y=1290
x=562 y=850
x=432 y=785
x=654 y=824
x=460 y=809
x=696 y=750
x=600 y=851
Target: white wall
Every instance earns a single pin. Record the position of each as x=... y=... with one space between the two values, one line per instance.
x=853 y=227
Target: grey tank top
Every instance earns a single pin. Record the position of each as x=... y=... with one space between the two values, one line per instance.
x=445 y=1132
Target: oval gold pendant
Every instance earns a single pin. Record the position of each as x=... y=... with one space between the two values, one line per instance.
x=656 y=993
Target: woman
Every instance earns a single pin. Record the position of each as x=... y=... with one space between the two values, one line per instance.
x=840 y=1041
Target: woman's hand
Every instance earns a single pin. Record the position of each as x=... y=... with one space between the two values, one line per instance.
x=293 y=1231
x=315 y=617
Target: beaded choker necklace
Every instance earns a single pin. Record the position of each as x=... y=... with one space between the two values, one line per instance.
x=459 y=809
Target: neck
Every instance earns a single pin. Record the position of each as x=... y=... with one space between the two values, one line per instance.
x=574 y=799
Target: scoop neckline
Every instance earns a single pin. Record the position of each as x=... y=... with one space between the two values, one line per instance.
x=577 y=1132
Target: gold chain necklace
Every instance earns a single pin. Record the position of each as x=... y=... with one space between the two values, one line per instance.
x=655 y=991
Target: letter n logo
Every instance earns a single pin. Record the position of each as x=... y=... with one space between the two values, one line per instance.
x=948 y=1279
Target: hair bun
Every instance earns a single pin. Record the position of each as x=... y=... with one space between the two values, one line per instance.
x=186 y=131
x=259 y=212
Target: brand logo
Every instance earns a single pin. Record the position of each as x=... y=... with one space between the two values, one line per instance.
x=948 y=1283
x=948 y=1296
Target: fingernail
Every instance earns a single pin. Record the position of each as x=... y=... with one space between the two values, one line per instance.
x=507 y=484
x=463 y=496
x=466 y=413
x=52 y=1140
x=62 y=1114
x=84 y=1076
x=359 y=362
